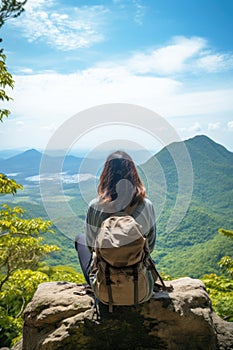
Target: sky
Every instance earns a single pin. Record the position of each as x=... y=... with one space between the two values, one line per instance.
x=173 y=57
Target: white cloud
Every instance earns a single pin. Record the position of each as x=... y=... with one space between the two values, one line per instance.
x=181 y=55
x=25 y=70
x=64 y=95
x=66 y=29
x=140 y=12
x=137 y=7
x=169 y=59
x=214 y=126
x=195 y=127
x=215 y=62
x=46 y=100
x=230 y=125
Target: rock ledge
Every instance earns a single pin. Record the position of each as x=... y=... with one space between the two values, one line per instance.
x=60 y=316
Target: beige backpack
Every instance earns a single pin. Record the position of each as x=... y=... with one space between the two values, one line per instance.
x=122 y=272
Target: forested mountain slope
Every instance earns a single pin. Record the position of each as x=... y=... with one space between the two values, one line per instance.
x=194 y=247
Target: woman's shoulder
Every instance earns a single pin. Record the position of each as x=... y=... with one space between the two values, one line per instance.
x=146 y=207
x=147 y=203
x=94 y=204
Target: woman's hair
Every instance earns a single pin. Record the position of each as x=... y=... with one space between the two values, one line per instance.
x=120 y=166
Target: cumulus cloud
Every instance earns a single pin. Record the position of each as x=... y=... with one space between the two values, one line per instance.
x=123 y=81
x=168 y=59
x=65 y=29
x=148 y=79
x=66 y=94
x=214 y=126
x=195 y=127
x=215 y=62
x=180 y=55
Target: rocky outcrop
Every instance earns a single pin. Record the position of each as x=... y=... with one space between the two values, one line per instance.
x=62 y=316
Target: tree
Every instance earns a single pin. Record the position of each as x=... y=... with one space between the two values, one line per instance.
x=21 y=244
x=8 y=185
x=220 y=288
x=8 y=9
x=226 y=263
x=6 y=81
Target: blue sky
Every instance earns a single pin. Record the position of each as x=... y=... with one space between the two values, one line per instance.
x=173 y=57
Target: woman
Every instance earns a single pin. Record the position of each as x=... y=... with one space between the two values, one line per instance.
x=120 y=188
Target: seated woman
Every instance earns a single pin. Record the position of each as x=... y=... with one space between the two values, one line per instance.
x=120 y=187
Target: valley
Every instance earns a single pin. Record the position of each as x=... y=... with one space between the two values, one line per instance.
x=192 y=248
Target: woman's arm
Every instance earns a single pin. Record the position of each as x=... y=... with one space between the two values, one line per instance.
x=90 y=229
x=151 y=236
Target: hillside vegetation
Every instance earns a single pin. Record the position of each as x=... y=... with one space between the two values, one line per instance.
x=194 y=247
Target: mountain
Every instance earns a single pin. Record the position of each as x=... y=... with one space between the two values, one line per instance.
x=193 y=246
x=212 y=167
x=28 y=163
x=7 y=153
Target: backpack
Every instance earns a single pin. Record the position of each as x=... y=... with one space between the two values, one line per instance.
x=122 y=271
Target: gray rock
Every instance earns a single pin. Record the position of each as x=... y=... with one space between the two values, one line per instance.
x=61 y=316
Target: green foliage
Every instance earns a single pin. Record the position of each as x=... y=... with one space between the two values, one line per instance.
x=192 y=260
x=10 y=328
x=6 y=81
x=220 y=290
x=15 y=294
x=227 y=233
x=20 y=244
x=21 y=249
x=10 y=9
x=18 y=291
x=62 y=273
x=226 y=263
x=8 y=186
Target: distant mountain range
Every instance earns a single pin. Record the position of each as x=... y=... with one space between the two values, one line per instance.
x=27 y=164
x=193 y=247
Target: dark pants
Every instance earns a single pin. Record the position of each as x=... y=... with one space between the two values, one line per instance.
x=84 y=255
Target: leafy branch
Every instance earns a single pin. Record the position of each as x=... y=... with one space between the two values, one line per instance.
x=10 y=9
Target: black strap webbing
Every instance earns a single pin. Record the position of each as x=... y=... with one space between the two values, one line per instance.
x=155 y=273
x=135 y=281
x=108 y=284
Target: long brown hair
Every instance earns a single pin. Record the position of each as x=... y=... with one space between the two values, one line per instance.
x=120 y=166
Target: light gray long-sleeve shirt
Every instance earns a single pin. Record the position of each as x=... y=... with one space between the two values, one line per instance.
x=144 y=214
